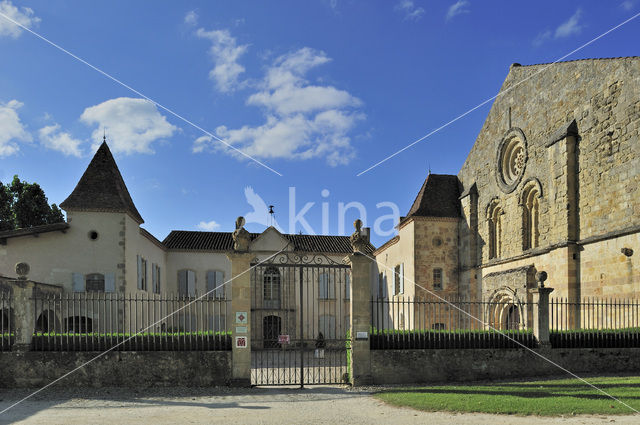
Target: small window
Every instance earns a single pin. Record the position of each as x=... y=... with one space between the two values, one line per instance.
x=215 y=284
x=438 y=327
x=271 y=288
x=142 y=273
x=437 y=278
x=94 y=282
x=396 y=280
x=326 y=287
x=155 y=278
x=186 y=283
x=93 y=235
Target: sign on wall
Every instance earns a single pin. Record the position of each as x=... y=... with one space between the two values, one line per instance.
x=241 y=342
x=241 y=317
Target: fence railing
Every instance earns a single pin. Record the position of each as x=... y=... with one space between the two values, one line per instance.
x=594 y=323
x=99 y=321
x=409 y=323
x=7 y=327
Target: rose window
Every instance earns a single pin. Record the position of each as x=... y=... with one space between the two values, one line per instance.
x=512 y=158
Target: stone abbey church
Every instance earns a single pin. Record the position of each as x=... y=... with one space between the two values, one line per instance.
x=550 y=184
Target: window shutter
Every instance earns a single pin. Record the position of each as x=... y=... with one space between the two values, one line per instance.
x=211 y=283
x=347 y=286
x=154 y=277
x=220 y=284
x=158 y=277
x=402 y=278
x=78 y=282
x=191 y=283
x=139 y=260
x=182 y=282
x=322 y=286
x=109 y=282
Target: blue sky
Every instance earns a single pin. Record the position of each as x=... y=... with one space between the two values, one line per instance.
x=318 y=91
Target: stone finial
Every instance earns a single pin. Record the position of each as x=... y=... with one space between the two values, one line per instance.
x=540 y=278
x=240 y=236
x=358 y=240
x=22 y=270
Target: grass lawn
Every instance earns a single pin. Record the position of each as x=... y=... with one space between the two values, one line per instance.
x=544 y=398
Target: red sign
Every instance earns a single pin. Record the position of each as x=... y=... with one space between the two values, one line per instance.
x=283 y=339
x=241 y=342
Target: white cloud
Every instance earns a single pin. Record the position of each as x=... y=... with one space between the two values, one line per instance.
x=11 y=128
x=24 y=16
x=302 y=120
x=571 y=27
x=191 y=18
x=458 y=8
x=208 y=226
x=409 y=9
x=627 y=5
x=201 y=143
x=225 y=53
x=52 y=138
x=542 y=37
x=132 y=125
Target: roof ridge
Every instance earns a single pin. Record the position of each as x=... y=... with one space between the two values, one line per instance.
x=517 y=65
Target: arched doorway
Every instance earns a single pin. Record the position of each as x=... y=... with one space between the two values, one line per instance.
x=505 y=310
x=271 y=328
x=512 y=320
x=47 y=322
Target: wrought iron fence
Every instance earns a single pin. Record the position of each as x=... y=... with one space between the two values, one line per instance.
x=146 y=322
x=409 y=323
x=594 y=323
x=7 y=327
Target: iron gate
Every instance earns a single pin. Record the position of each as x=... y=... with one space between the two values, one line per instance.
x=300 y=318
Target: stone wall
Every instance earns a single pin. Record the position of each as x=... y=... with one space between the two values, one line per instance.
x=436 y=246
x=116 y=369
x=581 y=125
x=444 y=366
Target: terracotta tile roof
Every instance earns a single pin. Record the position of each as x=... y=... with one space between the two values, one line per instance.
x=223 y=241
x=35 y=230
x=101 y=188
x=438 y=197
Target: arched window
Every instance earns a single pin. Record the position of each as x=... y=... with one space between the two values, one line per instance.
x=271 y=288
x=326 y=286
x=494 y=218
x=530 y=215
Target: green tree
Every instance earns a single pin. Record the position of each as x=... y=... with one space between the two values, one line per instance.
x=7 y=221
x=24 y=204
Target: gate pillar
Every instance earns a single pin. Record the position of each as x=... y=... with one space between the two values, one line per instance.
x=241 y=318
x=360 y=364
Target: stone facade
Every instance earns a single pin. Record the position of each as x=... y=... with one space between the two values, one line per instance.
x=551 y=183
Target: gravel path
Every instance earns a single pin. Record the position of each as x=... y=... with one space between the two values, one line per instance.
x=315 y=405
